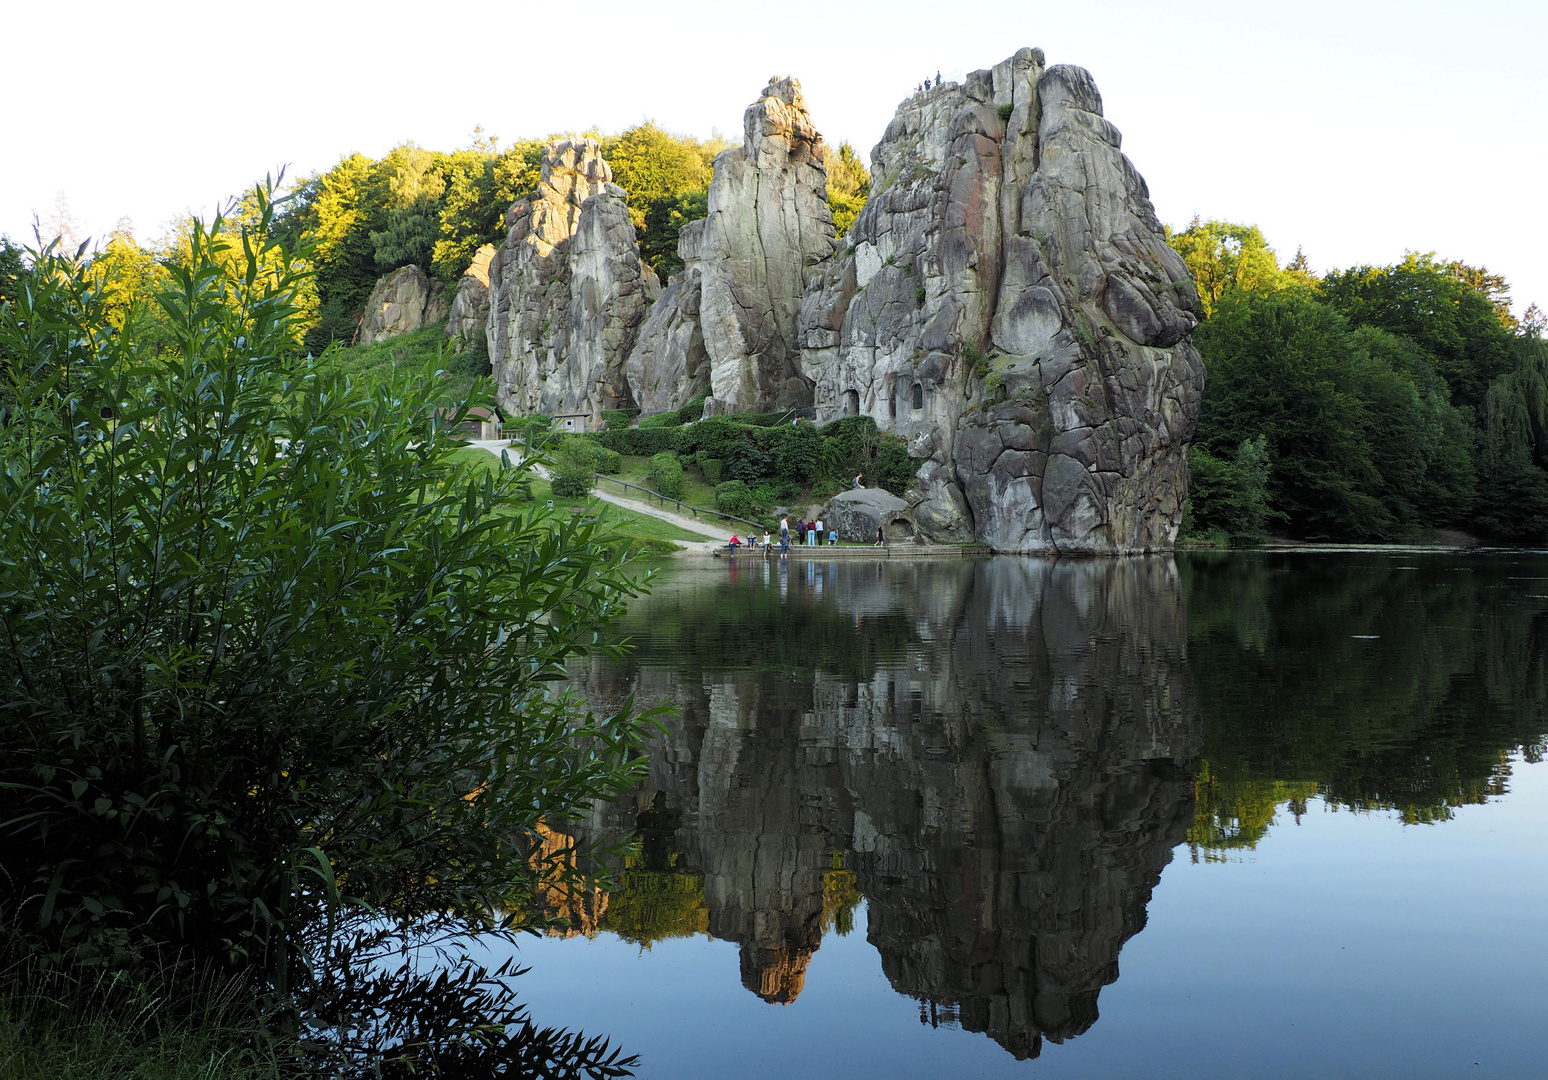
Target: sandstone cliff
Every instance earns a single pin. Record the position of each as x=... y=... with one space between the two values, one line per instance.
x=1009 y=305
x=403 y=300
x=470 y=307
x=567 y=290
x=746 y=267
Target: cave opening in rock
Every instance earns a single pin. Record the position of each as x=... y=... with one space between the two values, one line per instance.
x=851 y=403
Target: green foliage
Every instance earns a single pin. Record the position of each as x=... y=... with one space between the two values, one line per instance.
x=849 y=185
x=640 y=441
x=664 y=221
x=609 y=461
x=667 y=177
x=1433 y=306
x=1364 y=441
x=895 y=470
x=711 y=467
x=1230 y=495
x=1004 y=111
x=575 y=464
x=666 y=475
x=58 y=1025
x=619 y=418
x=734 y=497
x=272 y=645
x=1223 y=256
x=690 y=412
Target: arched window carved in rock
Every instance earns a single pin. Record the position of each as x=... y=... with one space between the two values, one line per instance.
x=851 y=403
x=919 y=395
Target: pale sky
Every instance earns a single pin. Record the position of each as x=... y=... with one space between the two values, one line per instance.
x=1357 y=129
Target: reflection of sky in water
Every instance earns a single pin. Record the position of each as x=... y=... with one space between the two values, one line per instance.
x=1350 y=945
x=1004 y=756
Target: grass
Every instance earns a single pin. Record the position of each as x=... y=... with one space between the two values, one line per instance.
x=413 y=349
x=60 y=1027
x=653 y=534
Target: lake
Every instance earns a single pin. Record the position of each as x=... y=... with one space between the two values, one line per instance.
x=1258 y=814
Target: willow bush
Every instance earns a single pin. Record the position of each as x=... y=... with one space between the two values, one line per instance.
x=271 y=653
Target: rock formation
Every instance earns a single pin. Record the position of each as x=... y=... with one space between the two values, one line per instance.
x=403 y=300
x=669 y=366
x=1006 y=787
x=470 y=307
x=1008 y=304
x=857 y=514
x=567 y=290
x=746 y=267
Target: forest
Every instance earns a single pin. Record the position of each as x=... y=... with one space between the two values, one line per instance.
x=1376 y=403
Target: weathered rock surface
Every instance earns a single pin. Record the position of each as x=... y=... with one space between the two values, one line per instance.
x=1010 y=307
x=403 y=300
x=567 y=290
x=470 y=307
x=856 y=515
x=1005 y=832
x=669 y=365
x=746 y=267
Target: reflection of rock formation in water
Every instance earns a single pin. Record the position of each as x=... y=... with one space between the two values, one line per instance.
x=1008 y=784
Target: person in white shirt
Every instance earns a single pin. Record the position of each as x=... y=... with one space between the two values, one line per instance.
x=820 y=531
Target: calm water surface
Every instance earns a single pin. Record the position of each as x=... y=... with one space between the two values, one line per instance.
x=1267 y=815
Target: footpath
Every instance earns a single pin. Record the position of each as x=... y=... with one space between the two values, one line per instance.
x=634 y=506
x=716 y=535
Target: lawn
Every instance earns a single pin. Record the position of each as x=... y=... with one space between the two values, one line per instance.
x=654 y=534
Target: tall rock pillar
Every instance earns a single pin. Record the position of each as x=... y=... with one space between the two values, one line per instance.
x=567 y=290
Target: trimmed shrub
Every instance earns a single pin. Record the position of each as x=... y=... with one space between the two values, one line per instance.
x=641 y=441
x=732 y=497
x=711 y=467
x=666 y=474
x=619 y=418
x=609 y=461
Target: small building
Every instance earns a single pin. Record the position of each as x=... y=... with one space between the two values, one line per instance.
x=478 y=423
x=575 y=423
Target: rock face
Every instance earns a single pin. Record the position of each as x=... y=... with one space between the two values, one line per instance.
x=746 y=267
x=1010 y=307
x=404 y=300
x=857 y=514
x=669 y=366
x=470 y=307
x=1004 y=790
x=567 y=290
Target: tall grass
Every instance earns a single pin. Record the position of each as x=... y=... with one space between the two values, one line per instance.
x=102 y=1026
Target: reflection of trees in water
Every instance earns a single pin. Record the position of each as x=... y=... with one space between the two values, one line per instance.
x=997 y=756
x=1377 y=681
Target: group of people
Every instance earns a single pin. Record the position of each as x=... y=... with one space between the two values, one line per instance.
x=810 y=533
